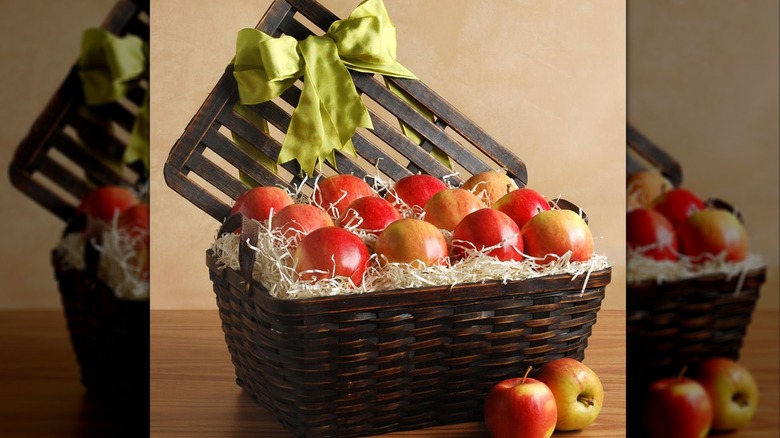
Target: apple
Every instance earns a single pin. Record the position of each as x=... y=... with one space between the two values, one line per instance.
x=335 y=193
x=297 y=220
x=708 y=233
x=101 y=205
x=521 y=205
x=370 y=214
x=578 y=392
x=494 y=184
x=554 y=232
x=485 y=228
x=520 y=407
x=415 y=190
x=732 y=390
x=649 y=232
x=677 y=204
x=258 y=203
x=677 y=407
x=644 y=187
x=447 y=208
x=412 y=241
x=331 y=252
x=134 y=222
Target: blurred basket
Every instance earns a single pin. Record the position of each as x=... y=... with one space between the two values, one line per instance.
x=684 y=322
x=62 y=158
x=393 y=360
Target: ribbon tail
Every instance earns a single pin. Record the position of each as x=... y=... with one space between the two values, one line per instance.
x=410 y=133
x=262 y=125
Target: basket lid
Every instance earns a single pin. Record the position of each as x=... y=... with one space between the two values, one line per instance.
x=640 y=148
x=206 y=153
x=64 y=155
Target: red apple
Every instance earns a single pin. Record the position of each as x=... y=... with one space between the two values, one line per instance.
x=520 y=408
x=677 y=204
x=103 y=204
x=335 y=193
x=135 y=223
x=578 y=392
x=297 y=220
x=447 y=208
x=521 y=205
x=415 y=190
x=331 y=252
x=556 y=232
x=649 y=232
x=485 y=228
x=677 y=407
x=644 y=187
x=732 y=390
x=370 y=214
x=257 y=203
x=412 y=241
x=708 y=233
x=495 y=184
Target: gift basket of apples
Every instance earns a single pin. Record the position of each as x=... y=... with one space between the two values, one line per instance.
x=85 y=159
x=692 y=286
x=394 y=285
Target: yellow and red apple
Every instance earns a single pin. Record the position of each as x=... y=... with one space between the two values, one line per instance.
x=578 y=392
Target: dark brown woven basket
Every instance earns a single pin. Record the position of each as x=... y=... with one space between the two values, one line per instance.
x=393 y=360
x=60 y=160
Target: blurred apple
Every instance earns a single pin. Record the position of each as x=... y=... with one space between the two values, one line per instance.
x=335 y=193
x=651 y=233
x=732 y=390
x=521 y=205
x=578 y=392
x=677 y=407
x=485 y=228
x=495 y=184
x=297 y=220
x=103 y=204
x=447 y=208
x=554 y=232
x=521 y=407
x=645 y=186
x=257 y=203
x=331 y=252
x=370 y=214
x=708 y=233
x=415 y=190
x=677 y=205
x=412 y=241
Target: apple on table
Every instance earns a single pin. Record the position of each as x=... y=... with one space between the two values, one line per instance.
x=520 y=407
x=677 y=407
x=732 y=390
x=578 y=392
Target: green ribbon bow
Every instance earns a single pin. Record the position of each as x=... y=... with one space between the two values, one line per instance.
x=330 y=109
x=109 y=67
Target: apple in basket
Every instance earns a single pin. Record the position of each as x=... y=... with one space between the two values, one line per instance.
x=257 y=203
x=677 y=204
x=101 y=205
x=677 y=407
x=297 y=220
x=412 y=241
x=415 y=190
x=486 y=228
x=651 y=233
x=134 y=222
x=521 y=205
x=447 y=208
x=335 y=193
x=732 y=390
x=556 y=232
x=370 y=214
x=709 y=233
x=520 y=407
x=578 y=392
x=494 y=183
x=644 y=187
x=331 y=252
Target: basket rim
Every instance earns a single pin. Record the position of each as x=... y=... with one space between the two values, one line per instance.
x=755 y=275
x=59 y=266
x=423 y=296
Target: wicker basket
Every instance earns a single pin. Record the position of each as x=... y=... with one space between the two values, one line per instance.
x=60 y=160
x=384 y=361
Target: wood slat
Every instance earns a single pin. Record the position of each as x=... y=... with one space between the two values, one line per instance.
x=63 y=177
x=95 y=168
x=226 y=149
x=648 y=150
x=216 y=176
x=196 y=194
x=41 y=194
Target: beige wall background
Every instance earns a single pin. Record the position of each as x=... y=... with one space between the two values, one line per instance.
x=703 y=84
x=545 y=78
x=39 y=42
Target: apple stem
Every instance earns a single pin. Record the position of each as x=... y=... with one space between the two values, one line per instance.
x=527 y=371
x=683 y=370
x=587 y=401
